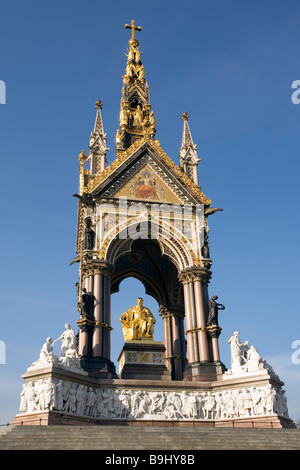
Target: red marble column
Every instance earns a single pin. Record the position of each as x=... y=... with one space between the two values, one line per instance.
x=176 y=348
x=106 y=316
x=189 y=323
x=201 y=322
x=215 y=349
x=98 y=316
x=164 y=313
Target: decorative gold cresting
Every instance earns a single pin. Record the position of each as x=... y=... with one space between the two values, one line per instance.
x=136 y=118
x=155 y=145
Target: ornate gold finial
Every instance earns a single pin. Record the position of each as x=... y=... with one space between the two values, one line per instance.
x=82 y=157
x=98 y=104
x=133 y=28
x=185 y=116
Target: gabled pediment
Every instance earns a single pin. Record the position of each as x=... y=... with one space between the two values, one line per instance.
x=146 y=185
x=145 y=172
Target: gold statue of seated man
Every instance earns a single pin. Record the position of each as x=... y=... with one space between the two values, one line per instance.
x=138 y=322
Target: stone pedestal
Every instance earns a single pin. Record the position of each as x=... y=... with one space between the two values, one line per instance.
x=143 y=360
x=54 y=394
x=203 y=371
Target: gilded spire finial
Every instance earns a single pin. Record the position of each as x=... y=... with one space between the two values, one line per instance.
x=185 y=116
x=136 y=118
x=98 y=104
x=133 y=28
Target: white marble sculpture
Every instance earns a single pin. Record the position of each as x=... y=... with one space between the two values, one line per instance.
x=46 y=354
x=245 y=359
x=68 y=351
x=106 y=403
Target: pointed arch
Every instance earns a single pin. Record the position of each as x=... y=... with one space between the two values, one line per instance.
x=171 y=246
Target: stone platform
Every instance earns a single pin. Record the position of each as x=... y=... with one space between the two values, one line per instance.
x=57 y=395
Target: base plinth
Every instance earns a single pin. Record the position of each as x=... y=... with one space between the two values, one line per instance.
x=99 y=367
x=143 y=360
x=203 y=371
x=57 y=395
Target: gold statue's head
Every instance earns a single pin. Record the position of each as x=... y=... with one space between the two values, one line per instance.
x=139 y=301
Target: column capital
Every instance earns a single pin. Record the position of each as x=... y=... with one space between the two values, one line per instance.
x=171 y=311
x=91 y=267
x=164 y=312
x=194 y=273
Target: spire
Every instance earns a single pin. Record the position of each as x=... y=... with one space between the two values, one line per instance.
x=98 y=127
x=136 y=118
x=97 y=145
x=188 y=157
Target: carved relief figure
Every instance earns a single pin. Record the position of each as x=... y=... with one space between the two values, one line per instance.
x=127 y=404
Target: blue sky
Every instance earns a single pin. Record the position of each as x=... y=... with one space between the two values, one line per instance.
x=230 y=64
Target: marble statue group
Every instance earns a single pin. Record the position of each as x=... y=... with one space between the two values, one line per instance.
x=68 y=351
x=245 y=358
x=78 y=398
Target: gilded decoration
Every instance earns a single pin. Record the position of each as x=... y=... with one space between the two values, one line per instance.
x=181 y=229
x=121 y=157
x=138 y=323
x=146 y=185
x=138 y=124
x=141 y=179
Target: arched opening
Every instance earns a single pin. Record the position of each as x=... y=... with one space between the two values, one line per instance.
x=164 y=266
x=142 y=270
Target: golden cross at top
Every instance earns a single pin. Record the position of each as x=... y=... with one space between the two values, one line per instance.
x=133 y=28
x=98 y=104
x=185 y=116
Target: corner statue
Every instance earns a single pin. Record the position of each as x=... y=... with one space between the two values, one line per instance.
x=138 y=322
x=214 y=308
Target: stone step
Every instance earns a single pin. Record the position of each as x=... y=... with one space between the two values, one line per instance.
x=146 y=438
